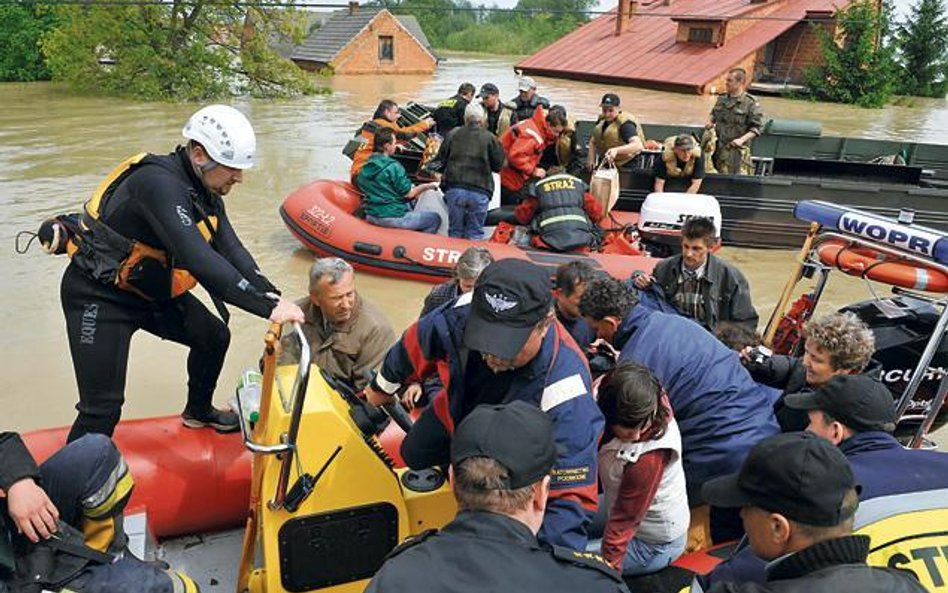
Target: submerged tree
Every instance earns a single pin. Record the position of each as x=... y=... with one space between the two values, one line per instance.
x=21 y=28
x=922 y=41
x=857 y=65
x=179 y=50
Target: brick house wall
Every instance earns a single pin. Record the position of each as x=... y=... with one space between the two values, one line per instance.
x=716 y=85
x=361 y=55
x=798 y=49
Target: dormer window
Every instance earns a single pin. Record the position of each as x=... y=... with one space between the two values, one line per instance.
x=701 y=34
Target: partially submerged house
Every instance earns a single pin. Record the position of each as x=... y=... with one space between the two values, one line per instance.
x=367 y=40
x=689 y=45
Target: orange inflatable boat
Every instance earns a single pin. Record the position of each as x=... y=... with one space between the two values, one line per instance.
x=320 y=215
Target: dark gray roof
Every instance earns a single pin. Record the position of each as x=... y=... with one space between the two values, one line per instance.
x=342 y=27
x=414 y=27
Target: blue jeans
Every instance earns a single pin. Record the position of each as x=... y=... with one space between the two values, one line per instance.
x=645 y=558
x=467 y=211
x=426 y=222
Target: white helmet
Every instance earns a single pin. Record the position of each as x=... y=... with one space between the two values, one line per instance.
x=225 y=133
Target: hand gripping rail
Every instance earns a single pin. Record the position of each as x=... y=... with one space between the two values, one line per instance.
x=288 y=446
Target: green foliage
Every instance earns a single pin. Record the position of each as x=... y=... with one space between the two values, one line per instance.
x=512 y=36
x=21 y=28
x=922 y=41
x=438 y=18
x=859 y=69
x=458 y=25
x=189 y=51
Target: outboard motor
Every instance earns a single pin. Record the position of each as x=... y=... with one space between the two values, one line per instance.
x=663 y=214
x=902 y=326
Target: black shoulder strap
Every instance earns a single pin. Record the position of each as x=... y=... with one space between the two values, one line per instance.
x=411 y=542
x=81 y=550
x=586 y=560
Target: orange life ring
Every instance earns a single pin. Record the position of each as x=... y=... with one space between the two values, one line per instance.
x=881 y=267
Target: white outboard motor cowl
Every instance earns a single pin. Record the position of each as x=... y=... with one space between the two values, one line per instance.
x=663 y=214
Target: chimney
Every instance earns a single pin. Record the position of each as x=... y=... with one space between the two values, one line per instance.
x=353 y=7
x=666 y=2
x=624 y=14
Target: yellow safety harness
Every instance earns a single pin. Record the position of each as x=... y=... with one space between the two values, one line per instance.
x=128 y=263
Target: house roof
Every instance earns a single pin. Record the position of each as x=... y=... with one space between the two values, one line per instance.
x=414 y=27
x=647 y=52
x=343 y=26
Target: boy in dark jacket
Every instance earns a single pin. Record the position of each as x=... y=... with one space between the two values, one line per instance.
x=701 y=285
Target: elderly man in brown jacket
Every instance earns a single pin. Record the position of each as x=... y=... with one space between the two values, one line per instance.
x=347 y=334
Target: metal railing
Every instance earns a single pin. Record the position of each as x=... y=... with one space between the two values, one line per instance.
x=938 y=334
x=287 y=448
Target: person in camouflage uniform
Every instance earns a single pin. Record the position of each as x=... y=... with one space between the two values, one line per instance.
x=736 y=120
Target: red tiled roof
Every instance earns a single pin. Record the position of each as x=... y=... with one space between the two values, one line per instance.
x=647 y=53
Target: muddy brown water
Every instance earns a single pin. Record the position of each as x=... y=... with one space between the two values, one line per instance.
x=55 y=147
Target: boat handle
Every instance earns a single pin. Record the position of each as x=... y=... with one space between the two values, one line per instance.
x=302 y=379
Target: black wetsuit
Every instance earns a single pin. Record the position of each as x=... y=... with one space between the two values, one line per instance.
x=159 y=204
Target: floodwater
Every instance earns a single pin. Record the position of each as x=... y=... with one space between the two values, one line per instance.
x=55 y=148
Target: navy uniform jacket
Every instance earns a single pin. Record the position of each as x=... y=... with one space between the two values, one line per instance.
x=579 y=329
x=881 y=466
x=557 y=381
x=720 y=410
x=482 y=551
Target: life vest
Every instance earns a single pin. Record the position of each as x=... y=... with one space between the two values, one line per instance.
x=564 y=145
x=502 y=121
x=609 y=137
x=671 y=161
x=525 y=111
x=129 y=264
x=561 y=221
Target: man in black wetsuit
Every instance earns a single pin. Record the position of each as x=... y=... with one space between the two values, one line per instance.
x=152 y=230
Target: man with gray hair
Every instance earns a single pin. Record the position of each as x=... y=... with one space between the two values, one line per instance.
x=470 y=155
x=347 y=334
x=470 y=265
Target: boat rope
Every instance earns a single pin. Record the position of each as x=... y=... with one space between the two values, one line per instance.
x=32 y=237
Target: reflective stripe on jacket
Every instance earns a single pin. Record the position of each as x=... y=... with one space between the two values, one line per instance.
x=557 y=381
x=561 y=220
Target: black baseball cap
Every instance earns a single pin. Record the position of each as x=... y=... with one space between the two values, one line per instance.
x=858 y=401
x=488 y=89
x=511 y=296
x=797 y=474
x=516 y=435
x=609 y=100
x=684 y=141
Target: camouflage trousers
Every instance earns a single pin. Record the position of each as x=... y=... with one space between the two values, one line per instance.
x=731 y=160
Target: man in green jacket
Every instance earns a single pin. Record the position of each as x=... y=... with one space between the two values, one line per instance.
x=388 y=190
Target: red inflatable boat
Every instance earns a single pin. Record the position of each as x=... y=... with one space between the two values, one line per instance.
x=320 y=215
x=186 y=481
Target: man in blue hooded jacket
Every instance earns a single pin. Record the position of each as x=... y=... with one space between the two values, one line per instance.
x=720 y=410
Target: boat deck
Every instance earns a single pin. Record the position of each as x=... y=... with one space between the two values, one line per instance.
x=211 y=559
